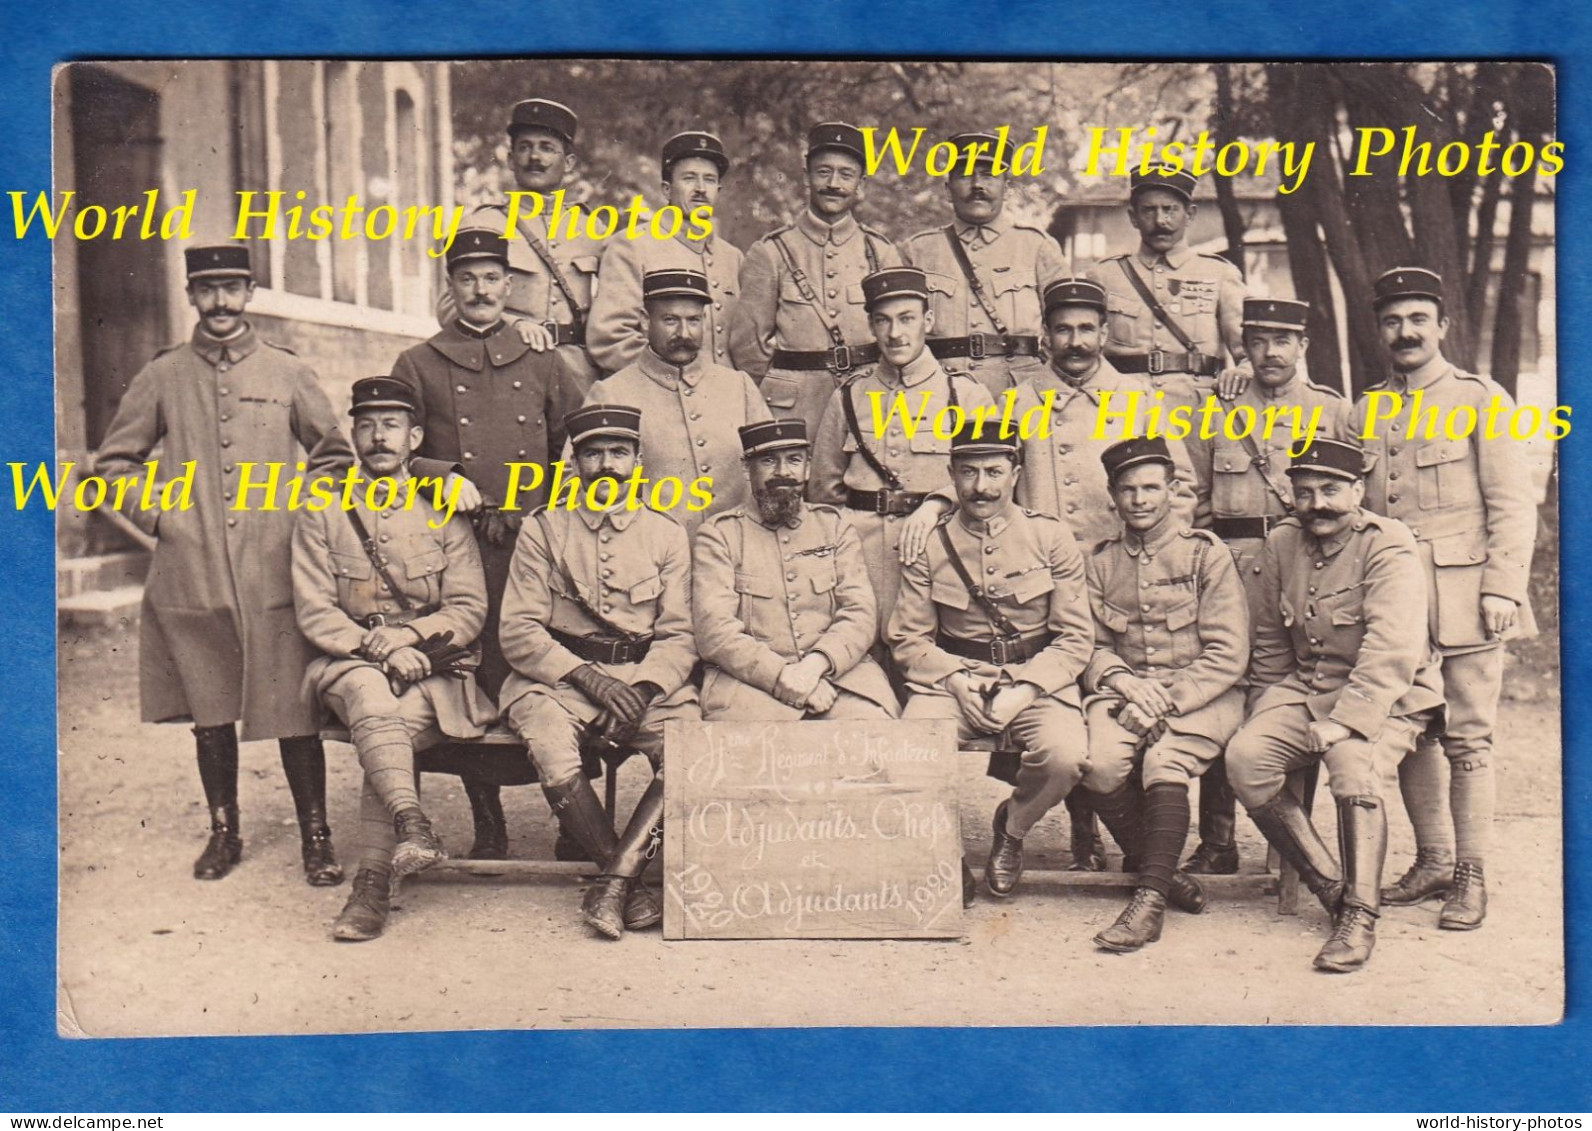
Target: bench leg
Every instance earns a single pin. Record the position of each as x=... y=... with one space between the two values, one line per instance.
x=611 y=789
x=1303 y=785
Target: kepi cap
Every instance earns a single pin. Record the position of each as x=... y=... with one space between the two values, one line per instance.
x=1074 y=292
x=1160 y=176
x=1130 y=453
x=371 y=393
x=837 y=135
x=1276 y=313
x=477 y=243
x=675 y=283
x=772 y=435
x=894 y=282
x=695 y=143
x=1406 y=282
x=597 y=420
x=977 y=436
x=1330 y=457
x=966 y=143
x=543 y=114
x=218 y=261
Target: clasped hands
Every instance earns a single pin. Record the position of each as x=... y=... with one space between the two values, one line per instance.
x=622 y=705
x=990 y=705
x=803 y=684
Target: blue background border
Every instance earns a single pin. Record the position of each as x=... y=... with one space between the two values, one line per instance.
x=1134 y=1069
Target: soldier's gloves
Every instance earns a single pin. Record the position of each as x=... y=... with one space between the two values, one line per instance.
x=491 y=525
x=408 y=666
x=615 y=696
x=447 y=658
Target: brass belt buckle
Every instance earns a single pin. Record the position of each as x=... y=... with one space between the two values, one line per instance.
x=552 y=330
x=840 y=359
x=998 y=651
x=881 y=501
x=1155 y=362
x=975 y=347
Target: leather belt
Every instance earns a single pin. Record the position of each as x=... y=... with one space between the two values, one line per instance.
x=562 y=333
x=604 y=649
x=1165 y=361
x=837 y=359
x=999 y=651
x=885 y=501
x=1256 y=527
x=976 y=346
x=395 y=619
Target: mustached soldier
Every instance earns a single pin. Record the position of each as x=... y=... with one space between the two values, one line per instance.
x=783 y=609
x=597 y=626
x=1171 y=645
x=373 y=588
x=1341 y=670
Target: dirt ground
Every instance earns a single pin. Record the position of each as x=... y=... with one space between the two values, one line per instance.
x=146 y=950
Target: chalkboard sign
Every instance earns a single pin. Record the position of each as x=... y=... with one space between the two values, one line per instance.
x=811 y=830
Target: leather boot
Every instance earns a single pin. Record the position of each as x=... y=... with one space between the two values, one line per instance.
x=1467 y=903
x=1088 y=850
x=1138 y=925
x=1005 y=865
x=605 y=902
x=217 y=751
x=418 y=846
x=1217 y=853
x=1363 y=822
x=304 y=765
x=577 y=809
x=224 y=849
x=364 y=916
x=1287 y=828
x=1429 y=876
x=1164 y=828
x=491 y=828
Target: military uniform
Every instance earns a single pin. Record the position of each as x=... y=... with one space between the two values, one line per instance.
x=1470 y=506
x=554 y=273
x=689 y=417
x=783 y=330
x=1203 y=294
x=842 y=476
x=1014 y=263
x=616 y=333
x=1167 y=607
x=1029 y=567
x=765 y=597
x=217 y=642
x=1338 y=636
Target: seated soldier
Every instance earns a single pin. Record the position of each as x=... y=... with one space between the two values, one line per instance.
x=392 y=602
x=992 y=629
x=1342 y=670
x=784 y=612
x=1171 y=644
x=597 y=627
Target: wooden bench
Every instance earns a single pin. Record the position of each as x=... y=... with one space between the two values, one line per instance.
x=499 y=758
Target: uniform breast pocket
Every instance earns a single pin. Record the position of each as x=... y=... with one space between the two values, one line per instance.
x=949 y=592
x=1231 y=493
x=1182 y=622
x=1017 y=298
x=1112 y=617
x=1344 y=609
x=423 y=566
x=1125 y=320
x=1443 y=470
x=353 y=573
x=754 y=589
x=643 y=593
x=854 y=295
x=790 y=294
x=925 y=442
x=781 y=393
x=1032 y=585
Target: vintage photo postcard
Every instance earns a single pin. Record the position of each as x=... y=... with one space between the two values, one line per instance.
x=862 y=543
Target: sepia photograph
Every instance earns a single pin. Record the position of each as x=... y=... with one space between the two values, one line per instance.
x=1082 y=539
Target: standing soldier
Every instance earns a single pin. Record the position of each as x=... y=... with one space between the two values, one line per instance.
x=1341 y=670
x=1247 y=483
x=801 y=326
x=1468 y=501
x=485 y=399
x=217 y=639
x=783 y=610
x=1062 y=473
x=597 y=625
x=690 y=406
x=694 y=167
x=987 y=274
x=992 y=629
x=1172 y=310
x=393 y=597
x=885 y=477
x=1171 y=645
x=553 y=271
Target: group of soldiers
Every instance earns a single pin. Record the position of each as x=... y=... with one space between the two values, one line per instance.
x=1131 y=614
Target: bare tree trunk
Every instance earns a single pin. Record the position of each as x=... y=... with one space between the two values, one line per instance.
x=1226 y=200
x=1531 y=104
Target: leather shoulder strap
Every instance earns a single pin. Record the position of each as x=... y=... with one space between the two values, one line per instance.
x=1155 y=306
x=546 y=256
x=891 y=479
x=369 y=545
x=966 y=264
x=1003 y=625
x=802 y=284
x=592 y=614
